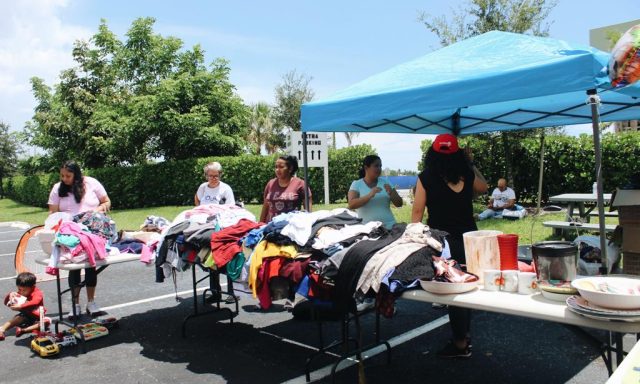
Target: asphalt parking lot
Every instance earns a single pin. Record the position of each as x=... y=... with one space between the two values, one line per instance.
x=272 y=347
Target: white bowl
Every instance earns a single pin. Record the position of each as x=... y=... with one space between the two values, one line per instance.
x=615 y=291
x=446 y=288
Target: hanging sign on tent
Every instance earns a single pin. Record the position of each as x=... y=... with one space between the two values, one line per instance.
x=624 y=64
x=317 y=149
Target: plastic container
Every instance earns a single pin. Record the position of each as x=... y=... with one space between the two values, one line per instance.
x=481 y=251
x=46 y=237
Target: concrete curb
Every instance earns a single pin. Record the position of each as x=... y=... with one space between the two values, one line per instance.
x=16 y=224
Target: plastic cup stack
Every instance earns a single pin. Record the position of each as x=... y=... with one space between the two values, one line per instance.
x=508 y=245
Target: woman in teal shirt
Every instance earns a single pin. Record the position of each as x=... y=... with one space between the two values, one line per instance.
x=371 y=195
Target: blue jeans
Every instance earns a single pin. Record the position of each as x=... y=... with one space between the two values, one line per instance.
x=489 y=213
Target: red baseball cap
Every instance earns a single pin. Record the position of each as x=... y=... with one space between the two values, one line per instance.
x=445 y=143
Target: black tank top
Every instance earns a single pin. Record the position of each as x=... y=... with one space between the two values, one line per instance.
x=448 y=210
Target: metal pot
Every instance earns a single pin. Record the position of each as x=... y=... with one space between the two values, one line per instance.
x=555 y=260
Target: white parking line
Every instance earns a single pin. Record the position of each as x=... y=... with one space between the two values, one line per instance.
x=20 y=231
x=6 y=241
x=150 y=299
x=412 y=334
x=7 y=278
x=13 y=254
x=324 y=371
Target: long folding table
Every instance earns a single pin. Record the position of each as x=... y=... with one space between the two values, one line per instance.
x=535 y=306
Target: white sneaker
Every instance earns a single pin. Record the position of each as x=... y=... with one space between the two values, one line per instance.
x=366 y=303
x=78 y=312
x=92 y=307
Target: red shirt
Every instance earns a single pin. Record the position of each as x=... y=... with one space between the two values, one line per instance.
x=34 y=300
x=284 y=199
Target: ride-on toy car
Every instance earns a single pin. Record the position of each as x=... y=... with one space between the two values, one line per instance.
x=45 y=346
x=90 y=331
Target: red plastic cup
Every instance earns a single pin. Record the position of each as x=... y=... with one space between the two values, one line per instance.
x=508 y=245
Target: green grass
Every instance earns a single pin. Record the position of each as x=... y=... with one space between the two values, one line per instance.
x=529 y=229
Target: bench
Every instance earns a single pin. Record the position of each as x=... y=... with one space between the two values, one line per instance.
x=559 y=226
x=606 y=214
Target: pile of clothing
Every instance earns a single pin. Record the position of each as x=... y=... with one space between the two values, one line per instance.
x=325 y=256
x=85 y=237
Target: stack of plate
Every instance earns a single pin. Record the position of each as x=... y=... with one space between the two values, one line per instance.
x=556 y=290
x=585 y=308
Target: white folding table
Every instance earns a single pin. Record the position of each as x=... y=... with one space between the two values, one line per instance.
x=536 y=307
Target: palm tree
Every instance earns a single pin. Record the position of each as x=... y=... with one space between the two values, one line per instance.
x=350 y=136
x=261 y=126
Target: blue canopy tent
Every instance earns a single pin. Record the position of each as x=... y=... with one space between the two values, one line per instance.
x=497 y=81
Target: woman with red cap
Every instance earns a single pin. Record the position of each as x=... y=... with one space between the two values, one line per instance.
x=446 y=188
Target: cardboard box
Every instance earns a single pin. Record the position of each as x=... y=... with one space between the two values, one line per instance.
x=627 y=201
x=631 y=238
x=631 y=263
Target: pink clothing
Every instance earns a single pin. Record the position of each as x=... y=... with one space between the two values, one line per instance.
x=284 y=199
x=94 y=245
x=94 y=191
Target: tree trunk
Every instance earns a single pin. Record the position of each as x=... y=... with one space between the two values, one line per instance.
x=506 y=141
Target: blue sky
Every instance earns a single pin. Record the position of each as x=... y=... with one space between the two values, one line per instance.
x=337 y=43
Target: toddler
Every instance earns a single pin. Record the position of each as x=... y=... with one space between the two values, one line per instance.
x=26 y=302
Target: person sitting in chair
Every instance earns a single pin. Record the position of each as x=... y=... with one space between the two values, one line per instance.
x=502 y=198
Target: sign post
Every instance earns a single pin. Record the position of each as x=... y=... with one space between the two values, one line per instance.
x=316 y=150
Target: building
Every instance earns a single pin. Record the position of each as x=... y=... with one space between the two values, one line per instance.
x=604 y=38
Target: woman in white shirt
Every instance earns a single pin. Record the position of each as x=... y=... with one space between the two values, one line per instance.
x=214 y=191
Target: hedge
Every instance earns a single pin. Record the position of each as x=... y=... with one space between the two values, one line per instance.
x=175 y=182
x=569 y=163
x=568 y=167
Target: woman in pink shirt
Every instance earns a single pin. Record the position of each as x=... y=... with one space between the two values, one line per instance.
x=285 y=192
x=74 y=194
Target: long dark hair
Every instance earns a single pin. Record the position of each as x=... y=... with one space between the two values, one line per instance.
x=451 y=168
x=292 y=164
x=77 y=187
x=366 y=162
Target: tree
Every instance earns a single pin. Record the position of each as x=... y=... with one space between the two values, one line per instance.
x=480 y=16
x=9 y=149
x=350 y=136
x=261 y=126
x=290 y=95
x=141 y=98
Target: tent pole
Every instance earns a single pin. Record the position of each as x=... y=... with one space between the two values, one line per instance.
x=594 y=101
x=541 y=171
x=306 y=171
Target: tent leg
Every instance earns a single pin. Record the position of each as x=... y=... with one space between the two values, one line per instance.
x=594 y=101
x=541 y=172
x=306 y=171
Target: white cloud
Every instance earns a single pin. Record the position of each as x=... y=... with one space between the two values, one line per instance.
x=33 y=42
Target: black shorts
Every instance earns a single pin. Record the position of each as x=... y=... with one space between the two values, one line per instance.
x=28 y=319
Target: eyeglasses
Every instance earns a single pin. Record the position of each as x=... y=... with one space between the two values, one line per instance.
x=213 y=176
